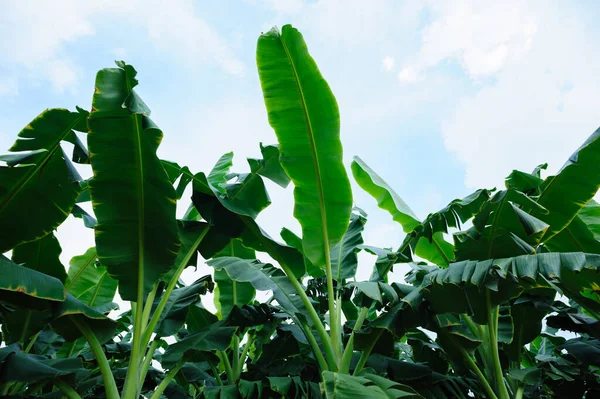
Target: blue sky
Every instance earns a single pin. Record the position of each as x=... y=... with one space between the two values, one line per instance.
x=439 y=97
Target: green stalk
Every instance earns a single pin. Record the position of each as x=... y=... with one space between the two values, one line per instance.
x=165 y=296
x=348 y=351
x=493 y=314
x=315 y=347
x=109 y=380
x=225 y=360
x=367 y=352
x=244 y=354
x=216 y=373
x=334 y=328
x=165 y=383
x=520 y=391
x=149 y=303
x=236 y=357
x=147 y=361
x=471 y=364
x=312 y=313
x=32 y=341
x=67 y=390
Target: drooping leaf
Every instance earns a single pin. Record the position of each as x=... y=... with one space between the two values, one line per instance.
x=263 y=277
x=344 y=258
x=215 y=337
x=582 y=233
x=16 y=365
x=136 y=235
x=176 y=310
x=37 y=196
x=25 y=287
x=269 y=166
x=343 y=386
x=304 y=114
x=103 y=327
x=437 y=250
x=573 y=186
x=502 y=228
x=226 y=225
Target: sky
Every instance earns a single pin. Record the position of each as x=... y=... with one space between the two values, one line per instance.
x=439 y=97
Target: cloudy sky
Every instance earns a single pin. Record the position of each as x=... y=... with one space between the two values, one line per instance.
x=439 y=97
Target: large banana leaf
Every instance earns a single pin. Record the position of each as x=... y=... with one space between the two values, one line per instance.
x=304 y=114
x=436 y=249
x=575 y=184
x=38 y=190
x=133 y=199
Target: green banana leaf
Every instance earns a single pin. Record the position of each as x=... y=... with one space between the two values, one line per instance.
x=176 y=310
x=344 y=386
x=228 y=292
x=89 y=281
x=304 y=114
x=28 y=288
x=136 y=235
x=38 y=190
x=575 y=184
x=435 y=249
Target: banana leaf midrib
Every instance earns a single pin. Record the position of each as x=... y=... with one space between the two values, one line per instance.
x=33 y=170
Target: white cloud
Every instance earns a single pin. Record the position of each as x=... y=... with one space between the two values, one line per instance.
x=541 y=101
x=8 y=86
x=388 y=63
x=39 y=31
x=482 y=36
x=409 y=75
x=61 y=74
x=119 y=52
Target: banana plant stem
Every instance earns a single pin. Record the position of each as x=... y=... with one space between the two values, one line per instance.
x=225 y=360
x=67 y=389
x=471 y=364
x=147 y=361
x=149 y=303
x=493 y=313
x=109 y=380
x=236 y=358
x=347 y=356
x=165 y=296
x=165 y=383
x=333 y=320
x=315 y=347
x=367 y=352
